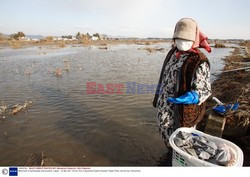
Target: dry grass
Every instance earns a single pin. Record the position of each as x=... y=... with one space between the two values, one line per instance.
x=234 y=87
x=230 y=88
x=245 y=43
x=61 y=44
x=15 y=45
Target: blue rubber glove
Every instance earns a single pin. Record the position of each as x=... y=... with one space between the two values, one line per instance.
x=189 y=98
x=220 y=109
x=224 y=108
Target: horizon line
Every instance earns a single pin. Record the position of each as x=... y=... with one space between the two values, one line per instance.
x=118 y=36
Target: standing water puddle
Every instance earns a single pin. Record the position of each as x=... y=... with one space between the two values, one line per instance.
x=76 y=128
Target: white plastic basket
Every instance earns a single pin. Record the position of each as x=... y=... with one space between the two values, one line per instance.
x=181 y=158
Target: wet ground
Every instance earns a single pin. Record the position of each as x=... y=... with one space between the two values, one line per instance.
x=76 y=128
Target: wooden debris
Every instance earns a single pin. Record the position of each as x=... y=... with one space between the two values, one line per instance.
x=35 y=159
x=3 y=109
x=103 y=48
x=17 y=108
x=40 y=159
x=58 y=72
x=242 y=63
x=238 y=69
x=215 y=125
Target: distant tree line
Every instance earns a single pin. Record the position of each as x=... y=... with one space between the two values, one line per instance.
x=86 y=36
x=15 y=36
x=79 y=36
x=68 y=37
x=18 y=35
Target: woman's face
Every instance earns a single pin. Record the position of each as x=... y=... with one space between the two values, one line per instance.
x=183 y=45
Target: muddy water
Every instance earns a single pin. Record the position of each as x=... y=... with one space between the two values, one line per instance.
x=71 y=126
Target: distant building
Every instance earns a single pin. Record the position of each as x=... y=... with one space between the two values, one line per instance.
x=66 y=39
x=73 y=38
x=57 y=39
x=94 y=38
x=24 y=39
x=103 y=36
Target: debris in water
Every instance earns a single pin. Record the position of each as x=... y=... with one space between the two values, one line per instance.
x=40 y=159
x=3 y=110
x=151 y=50
x=67 y=60
x=103 y=48
x=58 y=72
x=35 y=159
x=66 y=65
x=27 y=120
x=17 y=108
x=27 y=104
x=27 y=72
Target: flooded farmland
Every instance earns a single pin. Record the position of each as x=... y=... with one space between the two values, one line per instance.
x=73 y=127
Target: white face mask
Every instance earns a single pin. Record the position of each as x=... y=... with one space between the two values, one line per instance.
x=183 y=45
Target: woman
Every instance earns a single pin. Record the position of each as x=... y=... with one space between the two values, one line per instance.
x=184 y=83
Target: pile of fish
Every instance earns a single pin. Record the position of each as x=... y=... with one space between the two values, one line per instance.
x=5 y=110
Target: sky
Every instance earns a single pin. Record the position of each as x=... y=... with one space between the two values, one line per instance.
x=218 y=19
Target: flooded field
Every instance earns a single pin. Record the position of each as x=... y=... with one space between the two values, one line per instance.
x=76 y=128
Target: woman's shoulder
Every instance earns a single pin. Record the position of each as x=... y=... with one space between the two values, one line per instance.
x=199 y=55
x=203 y=59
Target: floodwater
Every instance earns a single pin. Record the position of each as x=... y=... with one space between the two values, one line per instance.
x=76 y=128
